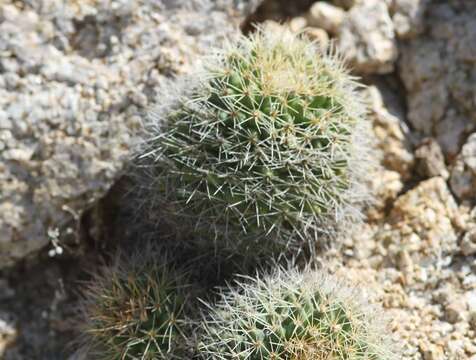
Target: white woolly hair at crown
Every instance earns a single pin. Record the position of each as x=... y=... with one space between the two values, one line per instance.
x=242 y=304
x=194 y=89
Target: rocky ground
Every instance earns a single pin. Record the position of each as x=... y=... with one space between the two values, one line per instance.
x=75 y=79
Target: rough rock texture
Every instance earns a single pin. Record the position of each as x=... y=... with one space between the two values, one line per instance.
x=326 y=16
x=407 y=17
x=39 y=307
x=468 y=240
x=346 y=4
x=8 y=334
x=367 y=38
x=438 y=72
x=463 y=174
x=430 y=160
x=74 y=78
x=395 y=148
x=468 y=243
x=386 y=185
x=422 y=226
x=431 y=308
x=318 y=35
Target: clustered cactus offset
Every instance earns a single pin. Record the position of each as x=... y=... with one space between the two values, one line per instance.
x=290 y=315
x=270 y=142
x=135 y=310
x=266 y=152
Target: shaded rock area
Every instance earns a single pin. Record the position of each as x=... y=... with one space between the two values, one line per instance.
x=430 y=159
x=422 y=225
x=40 y=300
x=463 y=173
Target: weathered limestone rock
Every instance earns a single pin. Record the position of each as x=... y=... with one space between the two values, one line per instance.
x=468 y=242
x=74 y=77
x=430 y=160
x=437 y=69
x=7 y=335
x=423 y=225
x=463 y=174
x=325 y=16
x=367 y=38
x=395 y=148
x=407 y=17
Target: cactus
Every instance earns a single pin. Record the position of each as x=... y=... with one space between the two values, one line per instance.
x=134 y=310
x=269 y=143
x=291 y=315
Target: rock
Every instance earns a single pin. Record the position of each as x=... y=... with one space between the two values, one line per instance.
x=437 y=69
x=74 y=77
x=346 y=4
x=463 y=173
x=385 y=185
x=7 y=335
x=421 y=224
x=367 y=38
x=472 y=320
x=471 y=300
x=318 y=35
x=432 y=352
x=6 y=292
x=455 y=349
x=325 y=16
x=468 y=243
x=297 y=24
x=408 y=17
x=455 y=310
x=430 y=160
x=396 y=154
x=454 y=303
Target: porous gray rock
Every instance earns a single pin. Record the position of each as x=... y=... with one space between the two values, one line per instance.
x=325 y=16
x=468 y=242
x=8 y=333
x=421 y=228
x=346 y=4
x=407 y=17
x=395 y=151
x=74 y=78
x=367 y=38
x=437 y=69
x=463 y=174
x=430 y=160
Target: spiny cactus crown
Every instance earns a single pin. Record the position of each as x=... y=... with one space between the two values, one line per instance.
x=269 y=142
x=293 y=316
x=134 y=311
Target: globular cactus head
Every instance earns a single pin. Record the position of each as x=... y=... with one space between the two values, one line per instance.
x=290 y=316
x=269 y=143
x=134 y=310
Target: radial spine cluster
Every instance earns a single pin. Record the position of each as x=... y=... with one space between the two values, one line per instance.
x=290 y=315
x=135 y=310
x=268 y=143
